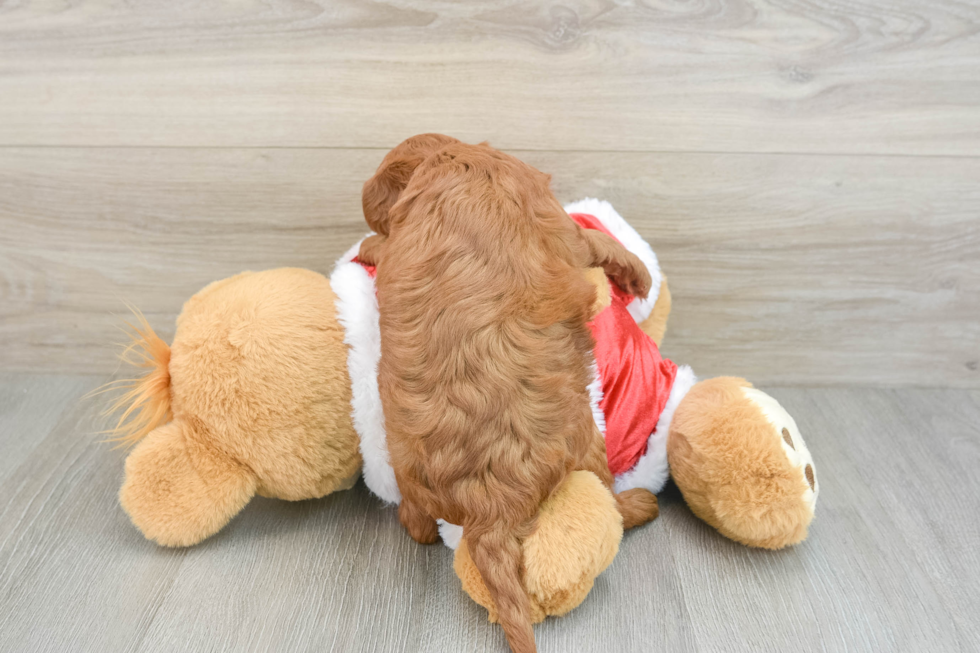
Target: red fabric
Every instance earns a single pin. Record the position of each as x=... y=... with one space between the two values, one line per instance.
x=372 y=270
x=636 y=383
x=636 y=380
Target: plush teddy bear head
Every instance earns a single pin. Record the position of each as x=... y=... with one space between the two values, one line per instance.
x=741 y=463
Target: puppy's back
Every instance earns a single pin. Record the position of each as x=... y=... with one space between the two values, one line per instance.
x=484 y=347
x=484 y=329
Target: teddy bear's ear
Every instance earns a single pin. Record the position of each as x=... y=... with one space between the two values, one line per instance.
x=178 y=491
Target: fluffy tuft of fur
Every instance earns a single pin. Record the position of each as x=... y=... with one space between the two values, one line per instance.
x=145 y=400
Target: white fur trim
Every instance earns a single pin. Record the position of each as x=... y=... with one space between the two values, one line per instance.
x=595 y=398
x=651 y=470
x=798 y=455
x=451 y=534
x=357 y=311
x=640 y=309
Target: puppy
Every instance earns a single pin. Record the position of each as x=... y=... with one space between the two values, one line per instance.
x=485 y=351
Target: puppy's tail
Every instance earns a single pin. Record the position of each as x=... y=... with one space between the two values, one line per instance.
x=498 y=556
x=145 y=400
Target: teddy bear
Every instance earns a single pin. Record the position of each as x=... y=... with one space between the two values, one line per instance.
x=269 y=388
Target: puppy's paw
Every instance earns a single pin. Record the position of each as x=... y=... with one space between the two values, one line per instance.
x=637 y=506
x=632 y=276
x=370 y=250
x=420 y=526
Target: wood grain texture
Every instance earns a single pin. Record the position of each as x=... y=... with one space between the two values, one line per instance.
x=785 y=269
x=30 y=406
x=890 y=564
x=879 y=76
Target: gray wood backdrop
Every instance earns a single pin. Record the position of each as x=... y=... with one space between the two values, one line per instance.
x=809 y=172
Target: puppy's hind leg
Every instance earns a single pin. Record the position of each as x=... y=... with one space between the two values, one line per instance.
x=637 y=506
x=419 y=524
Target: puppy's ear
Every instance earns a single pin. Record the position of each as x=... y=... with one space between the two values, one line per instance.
x=381 y=191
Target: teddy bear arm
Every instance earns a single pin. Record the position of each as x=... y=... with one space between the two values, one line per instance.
x=179 y=492
x=656 y=323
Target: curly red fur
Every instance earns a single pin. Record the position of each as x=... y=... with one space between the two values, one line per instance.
x=485 y=348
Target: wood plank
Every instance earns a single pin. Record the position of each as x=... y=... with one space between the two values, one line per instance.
x=943 y=454
x=86 y=231
x=890 y=564
x=785 y=269
x=30 y=406
x=880 y=76
x=74 y=574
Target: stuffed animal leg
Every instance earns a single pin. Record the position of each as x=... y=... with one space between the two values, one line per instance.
x=178 y=490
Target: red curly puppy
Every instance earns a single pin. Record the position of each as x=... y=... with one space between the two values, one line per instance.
x=485 y=352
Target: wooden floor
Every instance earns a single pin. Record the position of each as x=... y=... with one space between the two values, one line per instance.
x=891 y=564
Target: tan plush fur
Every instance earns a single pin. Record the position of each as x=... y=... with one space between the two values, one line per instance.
x=178 y=490
x=729 y=464
x=260 y=399
x=145 y=402
x=584 y=515
x=656 y=324
x=485 y=351
x=603 y=295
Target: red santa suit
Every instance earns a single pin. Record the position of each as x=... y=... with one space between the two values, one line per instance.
x=636 y=390
x=633 y=395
